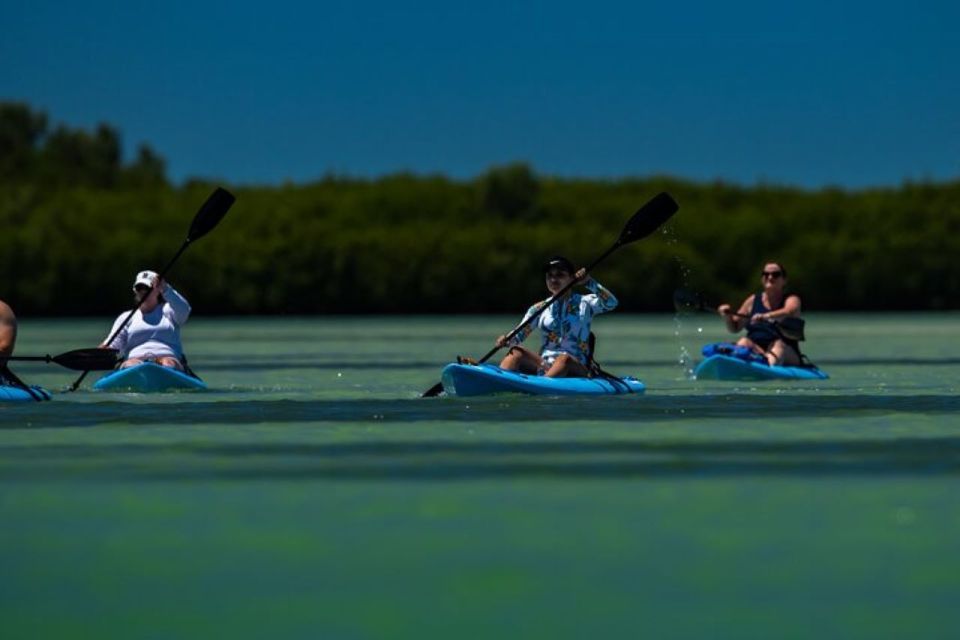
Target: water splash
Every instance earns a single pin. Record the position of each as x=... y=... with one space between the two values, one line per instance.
x=684 y=359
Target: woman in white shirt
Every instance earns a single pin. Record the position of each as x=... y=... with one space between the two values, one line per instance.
x=153 y=333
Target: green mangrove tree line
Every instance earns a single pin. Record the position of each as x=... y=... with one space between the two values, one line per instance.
x=77 y=222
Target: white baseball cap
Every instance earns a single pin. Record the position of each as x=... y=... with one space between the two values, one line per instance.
x=144 y=278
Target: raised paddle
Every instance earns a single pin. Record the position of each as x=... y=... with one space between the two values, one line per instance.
x=790 y=328
x=645 y=221
x=209 y=215
x=93 y=359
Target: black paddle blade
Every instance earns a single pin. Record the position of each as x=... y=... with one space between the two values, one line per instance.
x=210 y=214
x=94 y=359
x=688 y=301
x=435 y=390
x=648 y=218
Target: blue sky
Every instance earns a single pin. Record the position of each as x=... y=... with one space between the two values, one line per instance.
x=814 y=93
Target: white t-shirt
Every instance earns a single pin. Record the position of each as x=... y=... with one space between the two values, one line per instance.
x=156 y=333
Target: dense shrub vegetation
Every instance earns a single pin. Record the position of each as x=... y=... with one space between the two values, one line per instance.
x=78 y=222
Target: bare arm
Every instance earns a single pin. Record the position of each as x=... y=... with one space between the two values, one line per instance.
x=736 y=322
x=8 y=329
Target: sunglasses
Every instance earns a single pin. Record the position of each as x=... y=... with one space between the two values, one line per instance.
x=771 y=274
x=140 y=288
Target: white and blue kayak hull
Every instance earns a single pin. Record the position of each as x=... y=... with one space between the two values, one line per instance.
x=12 y=393
x=487 y=379
x=723 y=367
x=148 y=378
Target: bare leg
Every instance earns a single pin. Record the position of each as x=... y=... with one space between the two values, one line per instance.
x=522 y=360
x=753 y=346
x=163 y=361
x=566 y=366
x=782 y=353
x=168 y=361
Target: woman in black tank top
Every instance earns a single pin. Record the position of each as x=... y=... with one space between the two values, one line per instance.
x=758 y=315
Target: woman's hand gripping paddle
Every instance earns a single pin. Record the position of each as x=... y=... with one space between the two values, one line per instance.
x=645 y=221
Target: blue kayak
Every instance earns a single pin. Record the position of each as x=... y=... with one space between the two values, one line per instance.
x=486 y=379
x=146 y=378
x=723 y=367
x=11 y=393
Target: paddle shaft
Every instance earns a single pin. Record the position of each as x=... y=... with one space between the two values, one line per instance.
x=734 y=314
x=688 y=301
x=95 y=359
x=700 y=305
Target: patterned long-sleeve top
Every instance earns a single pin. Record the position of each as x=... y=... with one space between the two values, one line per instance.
x=565 y=326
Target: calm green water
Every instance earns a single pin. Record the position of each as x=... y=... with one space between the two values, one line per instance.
x=310 y=493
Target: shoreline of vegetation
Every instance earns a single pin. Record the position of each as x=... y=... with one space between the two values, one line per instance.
x=79 y=222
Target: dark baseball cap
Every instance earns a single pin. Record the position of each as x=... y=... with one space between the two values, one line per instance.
x=559 y=262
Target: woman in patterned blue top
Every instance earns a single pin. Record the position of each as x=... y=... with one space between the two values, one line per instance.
x=565 y=326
